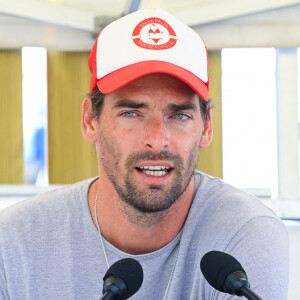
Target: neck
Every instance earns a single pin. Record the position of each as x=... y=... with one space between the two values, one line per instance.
x=132 y=231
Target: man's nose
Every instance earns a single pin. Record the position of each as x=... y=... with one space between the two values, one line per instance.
x=157 y=135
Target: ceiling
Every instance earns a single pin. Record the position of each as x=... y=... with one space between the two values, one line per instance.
x=73 y=24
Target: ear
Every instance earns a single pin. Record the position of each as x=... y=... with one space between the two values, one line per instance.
x=207 y=133
x=89 y=125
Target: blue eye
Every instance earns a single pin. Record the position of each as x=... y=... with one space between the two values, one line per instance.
x=181 y=116
x=129 y=114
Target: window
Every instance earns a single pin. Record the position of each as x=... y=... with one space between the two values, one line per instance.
x=261 y=125
x=34 y=69
x=249 y=116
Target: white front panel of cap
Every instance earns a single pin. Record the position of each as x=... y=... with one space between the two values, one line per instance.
x=150 y=35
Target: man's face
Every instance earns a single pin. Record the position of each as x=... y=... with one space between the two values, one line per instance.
x=149 y=138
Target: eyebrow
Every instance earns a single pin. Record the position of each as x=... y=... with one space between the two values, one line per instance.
x=180 y=107
x=125 y=103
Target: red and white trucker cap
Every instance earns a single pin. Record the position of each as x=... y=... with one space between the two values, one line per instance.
x=145 y=42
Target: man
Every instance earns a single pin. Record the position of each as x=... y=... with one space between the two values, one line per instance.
x=148 y=115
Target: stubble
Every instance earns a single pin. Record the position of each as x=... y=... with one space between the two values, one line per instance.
x=146 y=205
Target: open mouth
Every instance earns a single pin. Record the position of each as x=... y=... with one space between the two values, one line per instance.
x=156 y=171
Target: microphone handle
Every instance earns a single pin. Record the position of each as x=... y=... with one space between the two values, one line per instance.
x=249 y=294
x=108 y=295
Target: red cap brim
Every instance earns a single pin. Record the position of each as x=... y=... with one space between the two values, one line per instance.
x=118 y=79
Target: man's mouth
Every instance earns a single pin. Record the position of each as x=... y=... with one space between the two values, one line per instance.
x=156 y=171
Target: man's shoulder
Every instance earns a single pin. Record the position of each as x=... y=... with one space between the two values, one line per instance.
x=223 y=216
x=46 y=207
x=212 y=193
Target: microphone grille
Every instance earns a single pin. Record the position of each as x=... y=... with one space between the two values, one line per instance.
x=216 y=266
x=130 y=271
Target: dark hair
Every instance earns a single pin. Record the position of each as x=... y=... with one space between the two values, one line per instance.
x=97 y=99
x=205 y=108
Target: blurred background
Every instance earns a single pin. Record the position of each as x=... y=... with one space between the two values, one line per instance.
x=254 y=67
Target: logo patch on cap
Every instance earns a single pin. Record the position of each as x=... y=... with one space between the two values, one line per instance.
x=154 y=34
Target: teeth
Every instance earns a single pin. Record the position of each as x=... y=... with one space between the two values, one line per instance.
x=154 y=168
x=155 y=173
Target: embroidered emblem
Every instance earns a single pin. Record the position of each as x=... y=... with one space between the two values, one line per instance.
x=154 y=34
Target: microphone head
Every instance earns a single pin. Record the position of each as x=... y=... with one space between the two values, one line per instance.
x=130 y=271
x=216 y=266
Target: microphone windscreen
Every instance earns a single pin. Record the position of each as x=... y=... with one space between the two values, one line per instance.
x=216 y=266
x=130 y=271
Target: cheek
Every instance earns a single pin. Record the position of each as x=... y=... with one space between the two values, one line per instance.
x=107 y=147
x=191 y=142
x=130 y=140
x=114 y=147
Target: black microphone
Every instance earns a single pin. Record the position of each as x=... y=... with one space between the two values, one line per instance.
x=225 y=273
x=122 y=279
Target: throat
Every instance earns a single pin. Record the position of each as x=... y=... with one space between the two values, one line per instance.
x=138 y=240
x=143 y=219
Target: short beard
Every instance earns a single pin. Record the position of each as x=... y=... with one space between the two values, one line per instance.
x=151 y=206
x=157 y=199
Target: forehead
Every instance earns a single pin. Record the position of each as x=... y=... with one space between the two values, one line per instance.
x=158 y=89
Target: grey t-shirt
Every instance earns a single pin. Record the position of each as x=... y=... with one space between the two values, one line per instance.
x=50 y=248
